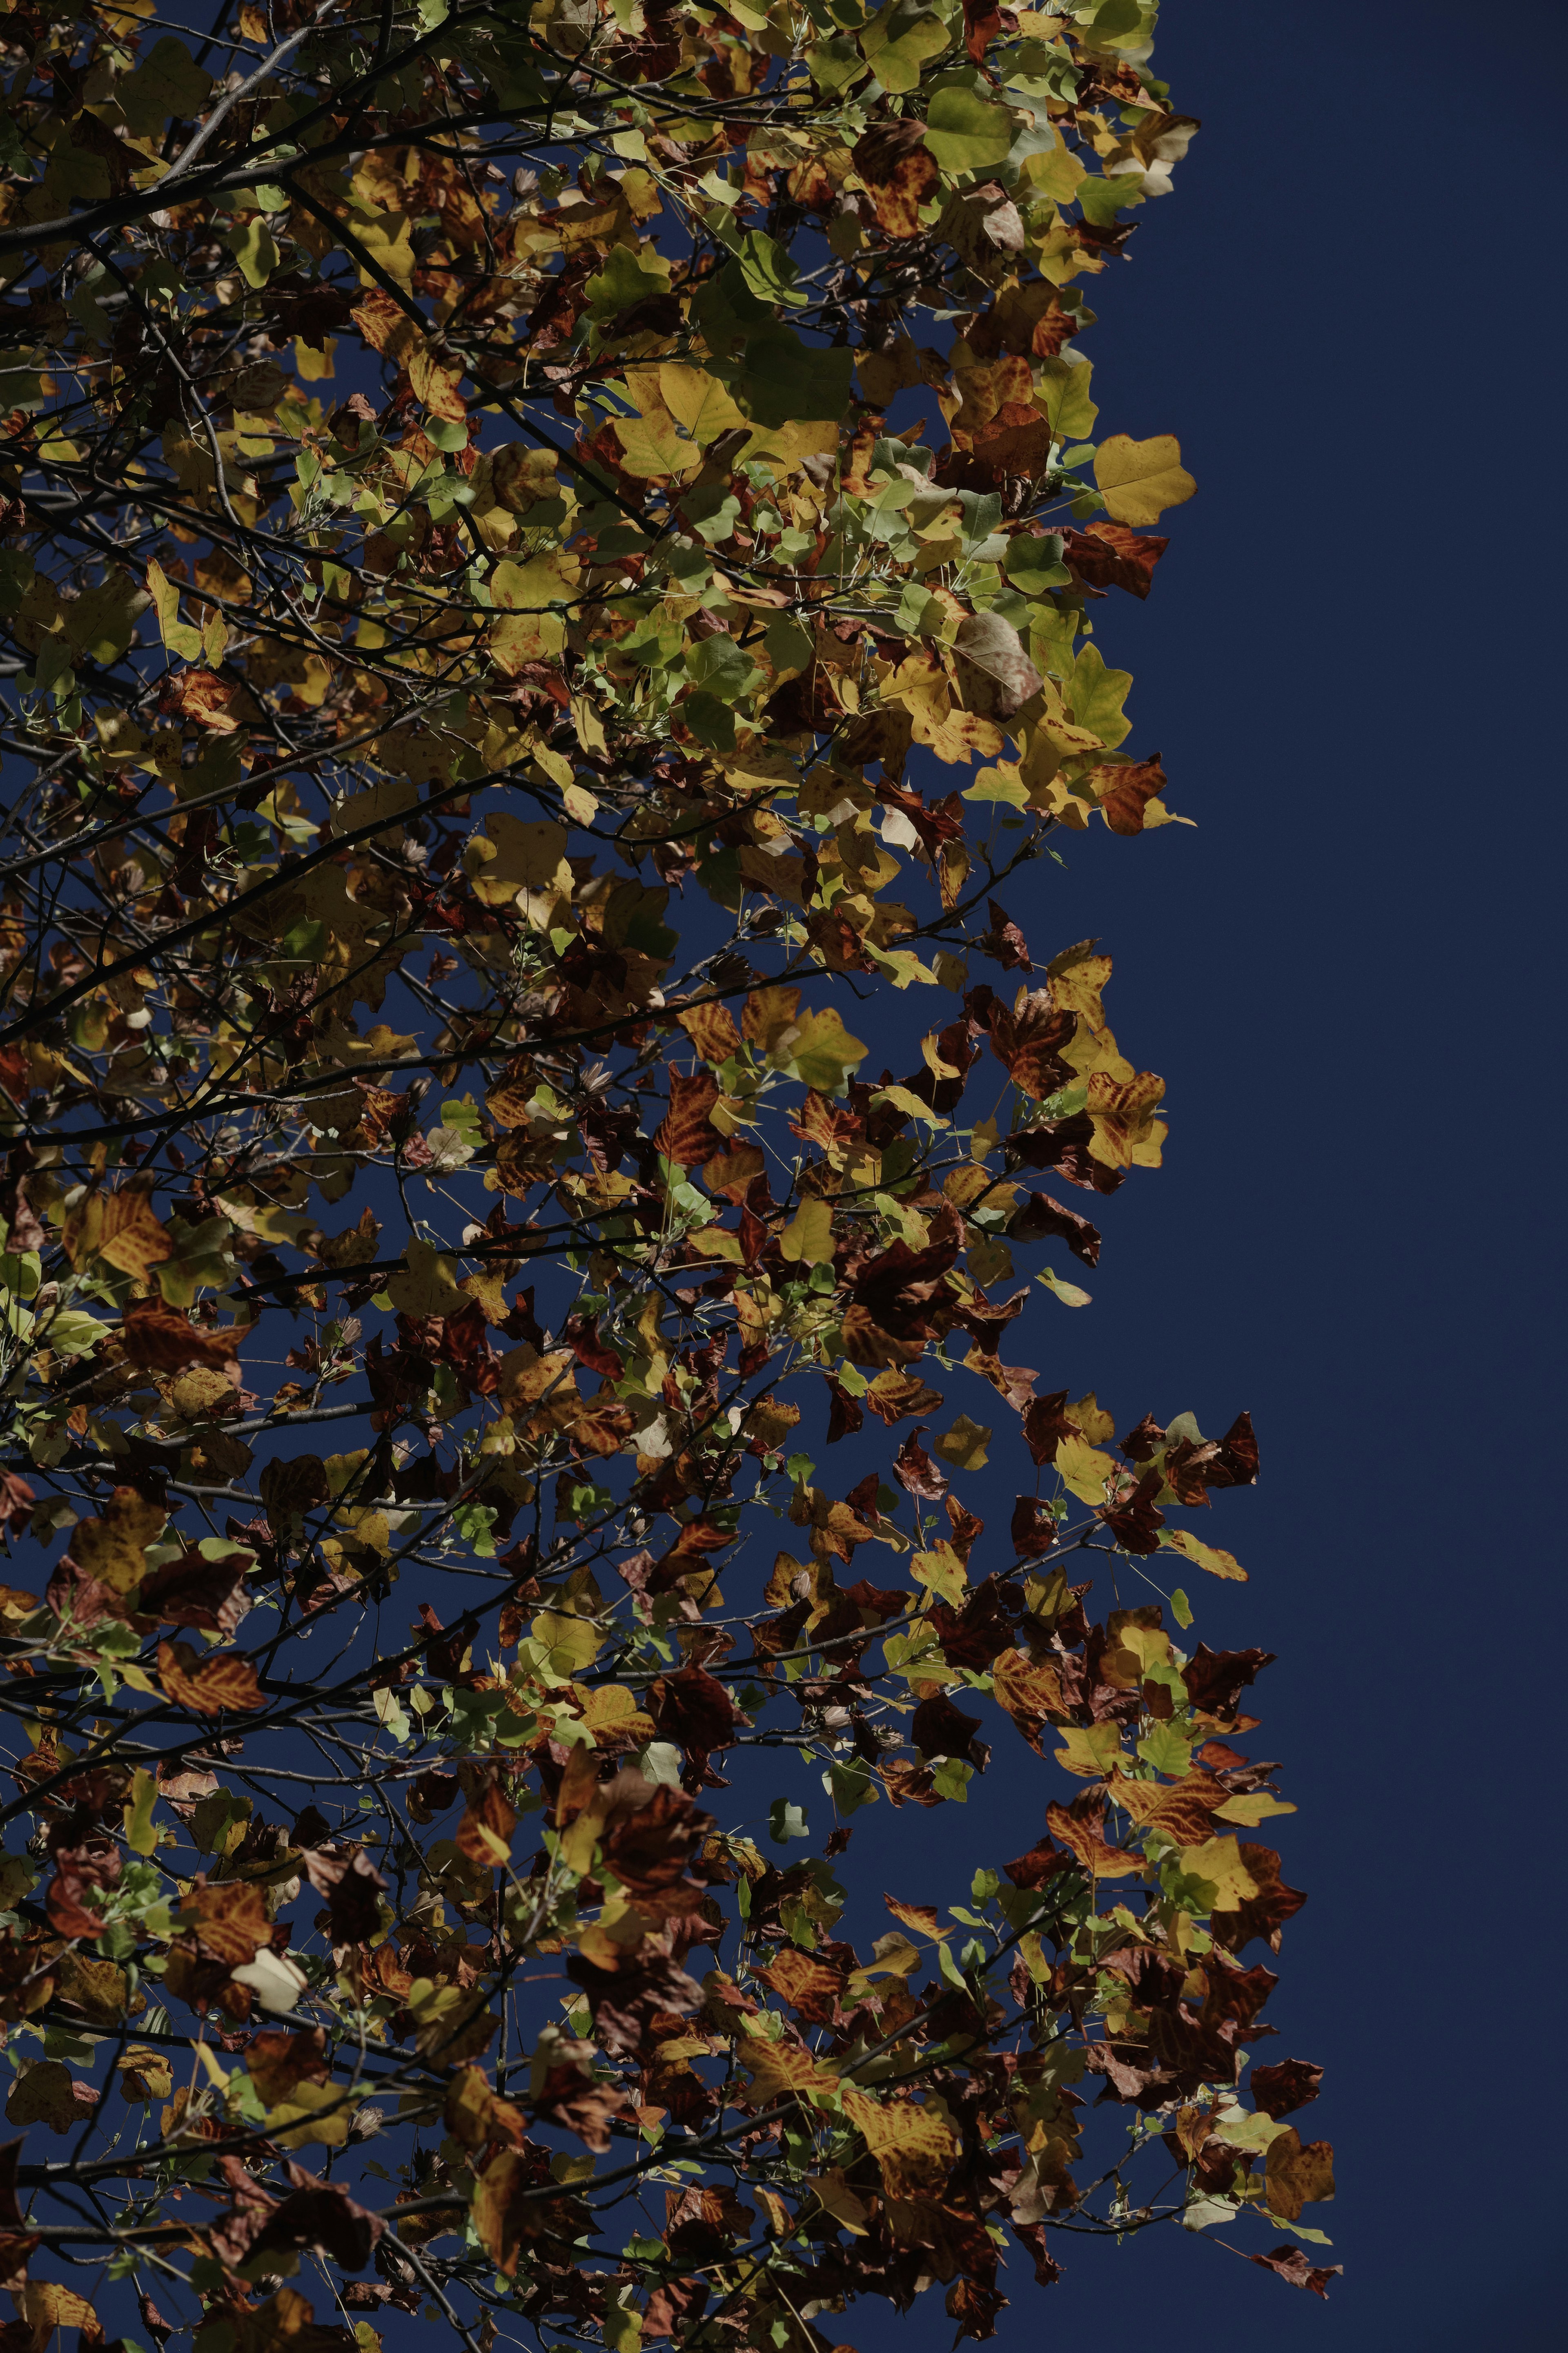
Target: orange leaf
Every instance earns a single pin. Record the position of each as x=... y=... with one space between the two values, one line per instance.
x=687 y=1135
x=712 y=1030
x=208 y=1686
x=231 y=1924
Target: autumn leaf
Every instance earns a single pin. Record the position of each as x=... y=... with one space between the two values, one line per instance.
x=1209 y=1556
x=113 y=1547
x=210 y=1686
x=1139 y=480
x=532 y=1062
x=1297 y=2176
x=120 y=1229
x=964 y=1445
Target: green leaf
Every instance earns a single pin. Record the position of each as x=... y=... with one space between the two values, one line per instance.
x=1096 y=695
x=1035 y=564
x=626 y=279
x=899 y=40
x=168 y=84
x=950 y=1969
x=768 y=269
x=786 y=1821
x=1063 y=384
x=1101 y=200
x=255 y=249
x=1114 y=18
x=822 y=1053
x=1167 y=1750
x=783 y=381
x=850 y=1786
x=964 y=131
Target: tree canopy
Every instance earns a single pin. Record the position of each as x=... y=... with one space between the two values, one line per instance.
x=551 y=566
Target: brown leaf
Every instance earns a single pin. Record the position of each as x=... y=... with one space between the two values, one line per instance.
x=112 y=1549
x=319 y=2214
x=1031 y=1694
x=1109 y=556
x=1079 y=1828
x=1293 y=2265
x=484 y=1834
x=47 y=2094
x=1288 y=2084
x=1038 y=1216
x=712 y=1030
x=941 y=1729
x=693 y=1709
x=352 y=1886
x=120 y=1227
x=211 y=1686
x=893 y=1397
x=194 y=1591
x=1033 y=1528
x=994 y=674
x=290 y=1489
x=810 y=1987
x=687 y=1135
x=231 y=1921
x=1045 y=1423
x=915 y=1472
x=900 y=172
x=160 y=1338
x=1265 y=1913
x=201 y=696
x=279 y=2058
x=1297 y=2176
x=1125 y=790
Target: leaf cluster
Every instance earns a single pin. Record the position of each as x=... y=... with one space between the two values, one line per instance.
x=518 y=639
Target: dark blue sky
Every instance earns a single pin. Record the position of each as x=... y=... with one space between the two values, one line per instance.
x=1351 y=312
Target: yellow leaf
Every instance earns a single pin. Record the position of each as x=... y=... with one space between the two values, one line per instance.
x=1142 y=479
x=808 y=1236
x=653 y=447
x=834 y=2197
x=298 y=2121
x=436 y=382
x=1095 y=1424
x=386 y=241
x=910 y=1104
x=819 y=1050
x=120 y=1229
x=1090 y=1752
x=1218 y=1862
x=1209 y=1556
x=964 y=1445
x=315 y=363
x=1084 y=1469
x=943 y=1571
x=697 y=400
x=914 y=2145
x=427 y=1287
x=140 y=1834
x=113 y=1547
x=1257 y=1807
x=779 y=2069
x=520 y=853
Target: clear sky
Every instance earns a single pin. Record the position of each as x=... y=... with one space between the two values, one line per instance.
x=1350 y=974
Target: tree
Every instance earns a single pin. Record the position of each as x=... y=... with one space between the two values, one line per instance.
x=504 y=614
